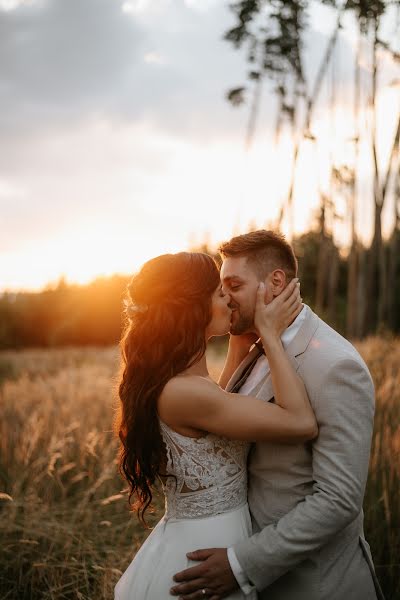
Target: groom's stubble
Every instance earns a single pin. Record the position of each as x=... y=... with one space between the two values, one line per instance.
x=242 y=323
x=243 y=316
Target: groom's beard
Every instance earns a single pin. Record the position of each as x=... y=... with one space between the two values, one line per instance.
x=241 y=323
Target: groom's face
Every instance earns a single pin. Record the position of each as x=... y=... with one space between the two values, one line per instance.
x=241 y=281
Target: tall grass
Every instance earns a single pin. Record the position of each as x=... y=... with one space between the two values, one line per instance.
x=65 y=529
x=382 y=498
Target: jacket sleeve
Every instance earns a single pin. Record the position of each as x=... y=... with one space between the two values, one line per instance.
x=344 y=408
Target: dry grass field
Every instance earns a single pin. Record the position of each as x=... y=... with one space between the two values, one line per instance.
x=65 y=530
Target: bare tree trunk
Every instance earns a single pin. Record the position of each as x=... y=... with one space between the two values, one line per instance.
x=394 y=264
x=379 y=269
x=279 y=116
x=373 y=275
x=320 y=284
x=362 y=279
x=376 y=279
x=352 y=291
x=333 y=274
x=255 y=107
x=353 y=271
x=312 y=98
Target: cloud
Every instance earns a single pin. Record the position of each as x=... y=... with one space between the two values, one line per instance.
x=61 y=61
x=64 y=62
x=93 y=95
x=106 y=103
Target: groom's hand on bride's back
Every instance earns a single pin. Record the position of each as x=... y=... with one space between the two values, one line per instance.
x=212 y=576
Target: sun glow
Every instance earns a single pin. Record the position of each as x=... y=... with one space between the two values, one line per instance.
x=205 y=192
x=158 y=193
x=80 y=256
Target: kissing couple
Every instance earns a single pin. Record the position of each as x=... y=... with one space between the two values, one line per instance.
x=264 y=472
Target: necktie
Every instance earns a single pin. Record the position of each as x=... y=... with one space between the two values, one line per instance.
x=248 y=369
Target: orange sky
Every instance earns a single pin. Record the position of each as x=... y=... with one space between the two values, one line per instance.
x=92 y=184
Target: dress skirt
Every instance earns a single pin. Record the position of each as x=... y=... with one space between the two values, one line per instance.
x=149 y=575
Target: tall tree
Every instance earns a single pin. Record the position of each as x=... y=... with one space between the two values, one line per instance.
x=278 y=28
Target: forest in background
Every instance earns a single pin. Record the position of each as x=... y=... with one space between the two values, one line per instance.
x=354 y=286
x=360 y=294
x=87 y=315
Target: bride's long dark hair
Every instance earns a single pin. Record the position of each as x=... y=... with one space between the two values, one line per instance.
x=165 y=334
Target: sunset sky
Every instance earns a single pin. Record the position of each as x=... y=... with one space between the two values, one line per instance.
x=117 y=143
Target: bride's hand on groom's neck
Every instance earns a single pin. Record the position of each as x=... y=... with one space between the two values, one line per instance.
x=273 y=318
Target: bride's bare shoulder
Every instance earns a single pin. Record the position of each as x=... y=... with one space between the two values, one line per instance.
x=183 y=397
x=182 y=385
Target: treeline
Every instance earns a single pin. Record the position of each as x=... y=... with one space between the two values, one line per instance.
x=275 y=34
x=63 y=316
x=92 y=314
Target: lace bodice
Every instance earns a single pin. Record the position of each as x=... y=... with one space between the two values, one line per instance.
x=210 y=472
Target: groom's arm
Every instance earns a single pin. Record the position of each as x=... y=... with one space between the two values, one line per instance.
x=344 y=408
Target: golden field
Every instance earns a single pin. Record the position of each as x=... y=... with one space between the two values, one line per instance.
x=65 y=529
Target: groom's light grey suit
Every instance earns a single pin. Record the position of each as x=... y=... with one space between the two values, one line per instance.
x=306 y=499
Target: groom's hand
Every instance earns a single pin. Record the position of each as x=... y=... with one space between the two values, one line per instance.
x=214 y=575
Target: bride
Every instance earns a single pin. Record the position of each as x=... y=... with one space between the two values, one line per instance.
x=177 y=426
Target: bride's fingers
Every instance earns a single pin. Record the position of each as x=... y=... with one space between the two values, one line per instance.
x=260 y=297
x=288 y=299
x=289 y=289
x=293 y=298
x=296 y=312
x=295 y=301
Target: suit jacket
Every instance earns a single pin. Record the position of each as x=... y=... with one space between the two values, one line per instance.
x=306 y=499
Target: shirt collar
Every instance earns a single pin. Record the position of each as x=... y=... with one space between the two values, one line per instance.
x=290 y=333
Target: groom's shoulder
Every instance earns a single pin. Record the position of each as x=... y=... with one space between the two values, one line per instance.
x=328 y=347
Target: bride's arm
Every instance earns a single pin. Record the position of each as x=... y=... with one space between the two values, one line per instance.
x=198 y=403
x=270 y=321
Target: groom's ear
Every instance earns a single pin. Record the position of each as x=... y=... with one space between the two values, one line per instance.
x=278 y=281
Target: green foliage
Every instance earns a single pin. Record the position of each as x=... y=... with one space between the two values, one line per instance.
x=91 y=315
x=66 y=315
x=274 y=39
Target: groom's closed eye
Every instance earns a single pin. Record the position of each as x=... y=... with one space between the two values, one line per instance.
x=235 y=284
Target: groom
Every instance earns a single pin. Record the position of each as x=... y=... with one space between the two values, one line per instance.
x=306 y=499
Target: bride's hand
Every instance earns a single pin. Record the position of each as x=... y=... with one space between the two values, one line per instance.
x=272 y=319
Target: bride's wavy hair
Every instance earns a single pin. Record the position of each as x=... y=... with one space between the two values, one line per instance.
x=170 y=301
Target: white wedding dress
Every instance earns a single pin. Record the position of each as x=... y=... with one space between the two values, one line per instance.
x=206 y=507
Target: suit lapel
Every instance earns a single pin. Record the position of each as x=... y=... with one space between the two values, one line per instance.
x=303 y=337
x=242 y=367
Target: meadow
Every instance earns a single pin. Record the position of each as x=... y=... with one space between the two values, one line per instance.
x=65 y=528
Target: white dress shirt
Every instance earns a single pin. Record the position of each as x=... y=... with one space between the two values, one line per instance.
x=260 y=370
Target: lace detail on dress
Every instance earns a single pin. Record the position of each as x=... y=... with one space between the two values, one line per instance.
x=210 y=474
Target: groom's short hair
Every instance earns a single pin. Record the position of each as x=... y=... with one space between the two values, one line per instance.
x=265 y=251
